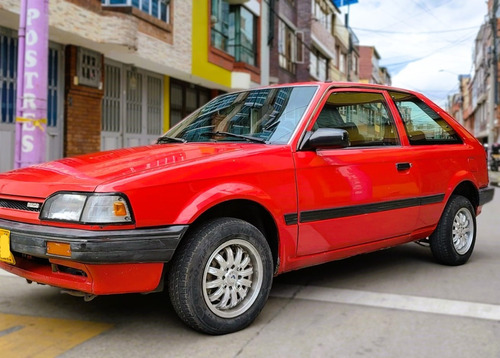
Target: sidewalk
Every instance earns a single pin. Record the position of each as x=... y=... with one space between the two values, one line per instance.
x=494 y=178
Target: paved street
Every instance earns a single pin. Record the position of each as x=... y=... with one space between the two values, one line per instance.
x=392 y=303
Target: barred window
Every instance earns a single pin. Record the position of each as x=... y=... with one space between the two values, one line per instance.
x=89 y=67
x=8 y=77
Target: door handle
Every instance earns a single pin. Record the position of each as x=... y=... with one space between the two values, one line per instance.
x=403 y=166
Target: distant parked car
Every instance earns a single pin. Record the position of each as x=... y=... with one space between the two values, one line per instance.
x=253 y=184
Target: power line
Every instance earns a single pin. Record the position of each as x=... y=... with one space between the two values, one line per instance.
x=425 y=8
x=413 y=32
x=427 y=55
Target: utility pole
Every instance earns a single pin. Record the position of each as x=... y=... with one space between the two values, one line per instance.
x=32 y=77
x=493 y=78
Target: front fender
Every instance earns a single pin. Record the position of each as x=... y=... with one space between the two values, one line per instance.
x=226 y=192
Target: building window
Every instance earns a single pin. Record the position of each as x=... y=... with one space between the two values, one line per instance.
x=318 y=65
x=234 y=31
x=185 y=98
x=159 y=9
x=322 y=13
x=242 y=24
x=88 y=68
x=337 y=56
x=8 y=77
x=333 y=23
x=8 y=80
x=287 y=47
x=219 y=20
x=355 y=64
x=342 y=61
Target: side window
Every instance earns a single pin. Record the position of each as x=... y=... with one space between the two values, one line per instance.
x=422 y=124
x=363 y=115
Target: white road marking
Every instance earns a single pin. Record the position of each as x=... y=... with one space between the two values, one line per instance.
x=381 y=300
x=389 y=300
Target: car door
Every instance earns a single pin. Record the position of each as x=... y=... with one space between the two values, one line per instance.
x=358 y=194
x=440 y=156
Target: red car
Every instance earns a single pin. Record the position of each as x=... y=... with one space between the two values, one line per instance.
x=253 y=184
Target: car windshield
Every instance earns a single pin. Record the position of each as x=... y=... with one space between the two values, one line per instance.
x=262 y=115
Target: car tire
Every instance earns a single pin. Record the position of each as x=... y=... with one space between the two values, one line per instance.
x=453 y=240
x=220 y=276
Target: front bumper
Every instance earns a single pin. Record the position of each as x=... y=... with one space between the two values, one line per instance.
x=96 y=247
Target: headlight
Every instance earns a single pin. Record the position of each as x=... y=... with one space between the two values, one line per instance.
x=87 y=208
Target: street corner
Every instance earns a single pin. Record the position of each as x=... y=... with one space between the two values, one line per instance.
x=31 y=336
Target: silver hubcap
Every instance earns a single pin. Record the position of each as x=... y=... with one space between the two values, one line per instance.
x=232 y=278
x=463 y=231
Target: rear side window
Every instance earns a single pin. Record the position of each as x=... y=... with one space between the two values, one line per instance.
x=422 y=124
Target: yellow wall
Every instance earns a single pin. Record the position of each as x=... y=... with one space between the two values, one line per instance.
x=166 y=103
x=201 y=66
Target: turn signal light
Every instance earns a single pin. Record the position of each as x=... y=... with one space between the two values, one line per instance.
x=119 y=208
x=59 y=249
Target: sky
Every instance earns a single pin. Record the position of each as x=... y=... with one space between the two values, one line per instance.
x=425 y=44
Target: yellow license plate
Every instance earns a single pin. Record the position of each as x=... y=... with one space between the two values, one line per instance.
x=5 y=253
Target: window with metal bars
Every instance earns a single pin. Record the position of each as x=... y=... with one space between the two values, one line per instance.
x=132 y=102
x=89 y=67
x=8 y=80
x=8 y=76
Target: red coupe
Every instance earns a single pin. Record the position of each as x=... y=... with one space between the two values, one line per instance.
x=253 y=184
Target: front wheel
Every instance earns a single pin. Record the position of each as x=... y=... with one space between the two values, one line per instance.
x=220 y=278
x=453 y=240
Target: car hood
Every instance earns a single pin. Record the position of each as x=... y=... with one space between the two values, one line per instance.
x=85 y=173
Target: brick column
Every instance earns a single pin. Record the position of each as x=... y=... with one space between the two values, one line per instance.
x=82 y=111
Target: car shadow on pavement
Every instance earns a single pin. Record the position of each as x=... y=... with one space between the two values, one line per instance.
x=365 y=265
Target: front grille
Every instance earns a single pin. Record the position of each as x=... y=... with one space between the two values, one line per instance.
x=20 y=205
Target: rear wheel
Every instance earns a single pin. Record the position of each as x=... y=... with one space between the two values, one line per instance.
x=220 y=278
x=453 y=240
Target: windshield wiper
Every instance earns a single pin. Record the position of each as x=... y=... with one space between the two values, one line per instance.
x=165 y=139
x=242 y=136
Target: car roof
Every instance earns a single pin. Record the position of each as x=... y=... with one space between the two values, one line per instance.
x=340 y=84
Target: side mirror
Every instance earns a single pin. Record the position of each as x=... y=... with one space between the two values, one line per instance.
x=327 y=138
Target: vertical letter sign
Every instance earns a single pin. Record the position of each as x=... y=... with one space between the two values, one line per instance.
x=31 y=107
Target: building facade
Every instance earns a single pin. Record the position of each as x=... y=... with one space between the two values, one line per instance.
x=309 y=42
x=476 y=104
x=121 y=72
